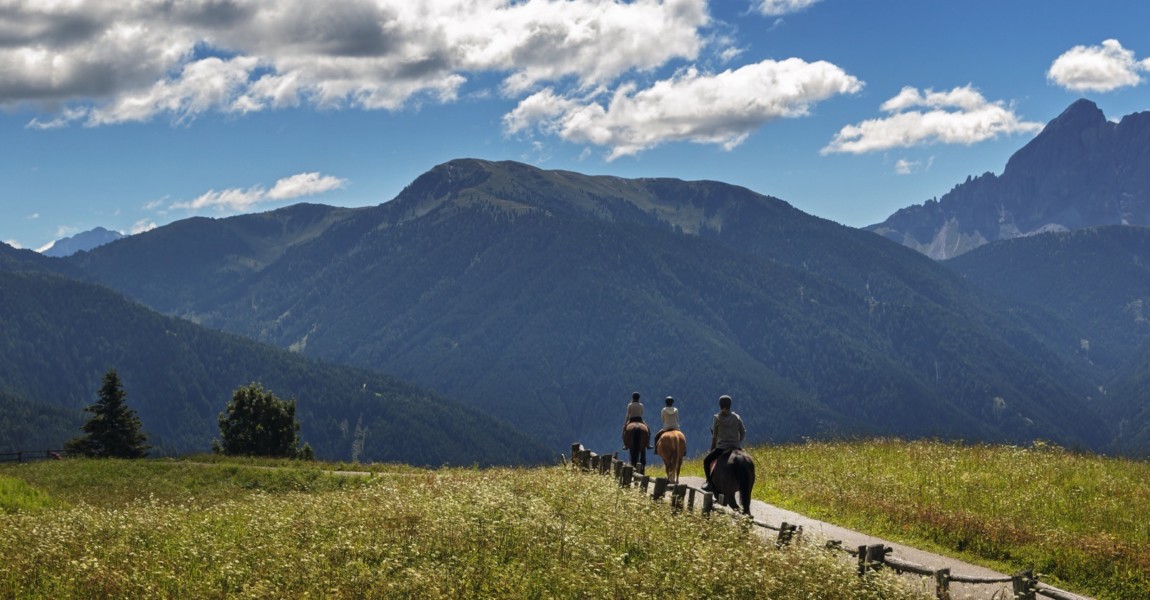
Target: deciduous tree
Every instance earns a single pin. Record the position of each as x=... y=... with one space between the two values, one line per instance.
x=257 y=423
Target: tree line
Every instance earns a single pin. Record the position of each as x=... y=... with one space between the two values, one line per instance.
x=254 y=423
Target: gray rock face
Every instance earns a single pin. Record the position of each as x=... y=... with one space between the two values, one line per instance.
x=1081 y=171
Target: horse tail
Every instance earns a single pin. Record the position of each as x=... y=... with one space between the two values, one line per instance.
x=745 y=476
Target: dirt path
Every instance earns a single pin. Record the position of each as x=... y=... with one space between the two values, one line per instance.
x=820 y=530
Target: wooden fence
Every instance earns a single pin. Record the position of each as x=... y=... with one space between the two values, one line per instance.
x=1025 y=584
x=30 y=455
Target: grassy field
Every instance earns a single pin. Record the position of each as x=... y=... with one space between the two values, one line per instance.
x=146 y=529
x=1082 y=520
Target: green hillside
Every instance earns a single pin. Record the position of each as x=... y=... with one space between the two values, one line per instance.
x=546 y=297
x=58 y=336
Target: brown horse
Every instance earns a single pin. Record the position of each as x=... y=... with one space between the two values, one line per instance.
x=636 y=436
x=672 y=447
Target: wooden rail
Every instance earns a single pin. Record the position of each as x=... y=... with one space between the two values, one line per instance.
x=29 y=455
x=1024 y=584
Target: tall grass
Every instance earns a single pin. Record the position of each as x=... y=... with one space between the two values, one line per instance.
x=503 y=533
x=1082 y=520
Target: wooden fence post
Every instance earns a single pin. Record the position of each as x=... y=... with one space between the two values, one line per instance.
x=618 y=464
x=628 y=473
x=1025 y=585
x=605 y=464
x=691 y=500
x=660 y=488
x=678 y=495
x=644 y=481
x=595 y=458
x=708 y=502
x=786 y=534
x=942 y=584
x=871 y=558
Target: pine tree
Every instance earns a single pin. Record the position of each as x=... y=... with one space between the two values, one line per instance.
x=257 y=423
x=114 y=430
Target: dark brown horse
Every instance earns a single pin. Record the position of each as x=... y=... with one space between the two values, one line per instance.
x=733 y=474
x=636 y=437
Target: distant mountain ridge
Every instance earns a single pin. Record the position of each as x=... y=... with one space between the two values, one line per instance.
x=58 y=336
x=1080 y=171
x=82 y=241
x=545 y=297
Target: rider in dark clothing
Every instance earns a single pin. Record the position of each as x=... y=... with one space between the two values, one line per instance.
x=727 y=433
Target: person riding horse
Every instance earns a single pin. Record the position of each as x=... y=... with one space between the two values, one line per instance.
x=727 y=433
x=670 y=417
x=639 y=436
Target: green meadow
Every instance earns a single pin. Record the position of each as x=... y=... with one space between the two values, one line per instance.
x=254 y=529
x=1083 y=521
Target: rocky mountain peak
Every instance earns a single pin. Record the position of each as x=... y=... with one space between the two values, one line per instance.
x=1080 y=171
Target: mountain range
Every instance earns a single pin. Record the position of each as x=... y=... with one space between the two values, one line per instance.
x=541 y=299
x=545 y=297
x=1080 y=171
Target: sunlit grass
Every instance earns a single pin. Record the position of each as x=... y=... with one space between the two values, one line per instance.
x=504 y=533
x=1082 y=520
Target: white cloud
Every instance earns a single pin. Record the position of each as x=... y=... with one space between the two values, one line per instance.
x=141 y=226
x=102 y=62
x=720 y=109
x=14 y=244
x=32 y=217
x=959 y=116
x=240 y=200
x=304 y=184
x=774 y=8
x=906 y=167
x=64 y=231
x=1102 y=68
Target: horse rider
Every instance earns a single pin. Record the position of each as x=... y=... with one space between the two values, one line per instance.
x=634 y=410
x=635 y=415
x=670 y=417
x=727 y=433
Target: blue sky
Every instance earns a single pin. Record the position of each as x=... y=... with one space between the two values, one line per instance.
x=130 y=115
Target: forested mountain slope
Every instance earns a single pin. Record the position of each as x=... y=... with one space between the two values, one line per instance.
x=546 y=297
x=58 y=336
x=1097 y=279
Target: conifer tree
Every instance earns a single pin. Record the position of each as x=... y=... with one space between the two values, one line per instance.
x=113 y=430
x=257 y=423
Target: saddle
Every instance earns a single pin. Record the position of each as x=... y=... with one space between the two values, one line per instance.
x=723 y=455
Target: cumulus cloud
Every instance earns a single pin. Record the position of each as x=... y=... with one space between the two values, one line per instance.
x=1102 y=68
x=722 y=108
x=100 y=62
x=775 y=8
x=959 y=116
x=241 y=199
